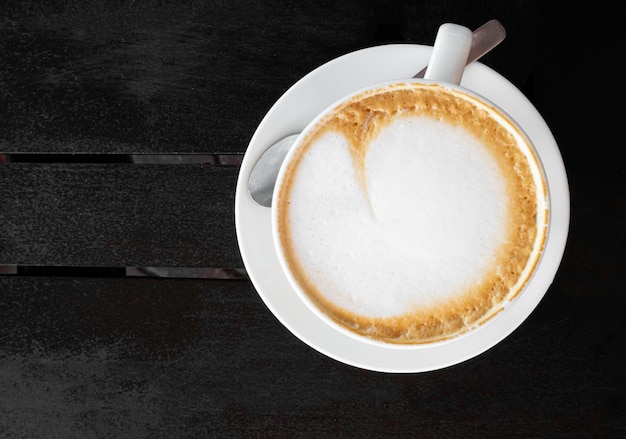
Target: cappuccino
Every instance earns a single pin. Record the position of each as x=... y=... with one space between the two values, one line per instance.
x=411 y=213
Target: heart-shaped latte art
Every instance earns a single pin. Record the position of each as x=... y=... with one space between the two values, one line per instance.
x=407 y=214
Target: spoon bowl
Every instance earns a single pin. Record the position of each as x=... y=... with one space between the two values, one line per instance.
x=265 y=171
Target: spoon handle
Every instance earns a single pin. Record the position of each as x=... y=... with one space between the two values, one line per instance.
x=485 y=38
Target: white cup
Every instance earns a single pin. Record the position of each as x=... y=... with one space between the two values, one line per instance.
x=426 y=246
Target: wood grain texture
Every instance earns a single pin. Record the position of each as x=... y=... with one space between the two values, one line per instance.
x=153 y=76
x=151 y=358
x=118 y=215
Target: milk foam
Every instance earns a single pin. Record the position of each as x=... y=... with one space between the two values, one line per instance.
x=411 y=213
x=426 y=226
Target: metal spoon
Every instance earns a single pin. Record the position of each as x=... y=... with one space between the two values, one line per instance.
x=265 y=171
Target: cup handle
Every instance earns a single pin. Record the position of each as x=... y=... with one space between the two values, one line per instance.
x=449 y=55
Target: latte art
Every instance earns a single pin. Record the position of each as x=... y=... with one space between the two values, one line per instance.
x=411 y=214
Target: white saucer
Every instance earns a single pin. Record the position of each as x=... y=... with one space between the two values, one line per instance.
x=292 y=112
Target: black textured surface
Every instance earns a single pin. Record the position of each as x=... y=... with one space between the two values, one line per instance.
x=118 y=215
x=154 y=358
x=88 y=353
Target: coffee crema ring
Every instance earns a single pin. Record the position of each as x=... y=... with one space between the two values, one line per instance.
x=327 y=234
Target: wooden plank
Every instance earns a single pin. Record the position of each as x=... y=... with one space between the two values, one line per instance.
x=149 y=77
x=127 y=357
x=118 y=215
x=152 y=358
x=159 y=318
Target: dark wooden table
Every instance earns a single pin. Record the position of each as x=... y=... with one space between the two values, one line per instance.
x=125 y=309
